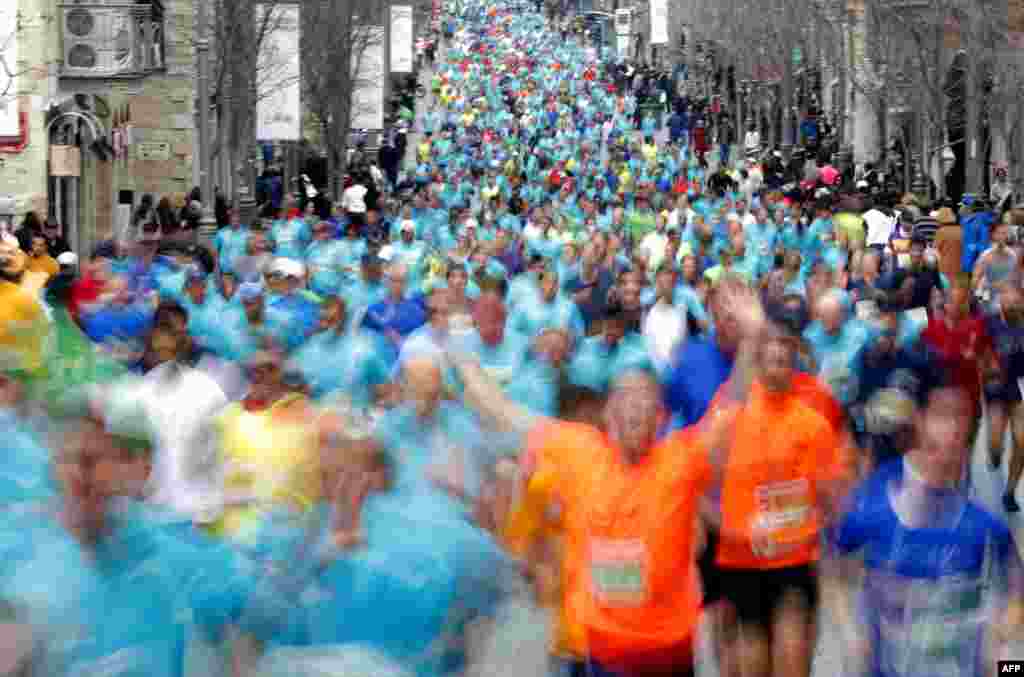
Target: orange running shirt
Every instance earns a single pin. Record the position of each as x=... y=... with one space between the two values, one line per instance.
x=629 y=531
x=818 y=396
x=781 y=451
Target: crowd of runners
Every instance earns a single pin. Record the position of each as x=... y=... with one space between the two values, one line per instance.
x=561 y=397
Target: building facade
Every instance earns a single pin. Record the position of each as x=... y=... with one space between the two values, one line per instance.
x=106 y=92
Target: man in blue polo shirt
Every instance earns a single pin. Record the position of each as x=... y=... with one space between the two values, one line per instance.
x=702 y=365
x=396 y=316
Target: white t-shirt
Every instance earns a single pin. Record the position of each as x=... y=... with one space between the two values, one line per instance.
x=353 y=199
x=664 y=329
x=880 y=227
x=182 y=403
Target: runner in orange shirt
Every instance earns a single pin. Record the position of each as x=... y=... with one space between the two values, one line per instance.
x=785 y=468
x=629 y=510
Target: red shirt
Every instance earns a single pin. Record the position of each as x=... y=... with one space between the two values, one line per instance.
x=951 y=344
x=84 y=291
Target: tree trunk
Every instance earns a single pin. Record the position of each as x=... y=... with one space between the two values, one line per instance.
x=972 y=104
x=843 y=85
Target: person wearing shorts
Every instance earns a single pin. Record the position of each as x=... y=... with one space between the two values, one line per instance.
x=629 y=503
x=1003 y=388
x=784 y=468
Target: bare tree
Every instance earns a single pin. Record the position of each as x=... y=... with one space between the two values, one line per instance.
x=245 y=66
x=7 y=70
x=13 y=25
x=337 y=40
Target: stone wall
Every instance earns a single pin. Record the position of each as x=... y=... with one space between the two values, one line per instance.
x=161 y=110
x=23 y=172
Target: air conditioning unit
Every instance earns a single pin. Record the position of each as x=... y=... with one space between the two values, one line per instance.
x=98 y=41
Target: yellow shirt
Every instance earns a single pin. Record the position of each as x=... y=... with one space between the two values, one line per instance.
x=533 y=525
x=43 y=264
x=22 y=325
x=271 y=457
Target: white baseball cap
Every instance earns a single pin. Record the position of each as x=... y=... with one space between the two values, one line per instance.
x=67 y=259
x=286 y=268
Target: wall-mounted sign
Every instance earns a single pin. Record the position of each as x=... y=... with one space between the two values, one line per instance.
x=153 y=150
x=65 y=161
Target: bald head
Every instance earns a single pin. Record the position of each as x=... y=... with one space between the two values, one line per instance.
x=423 y=382
x=831 y=310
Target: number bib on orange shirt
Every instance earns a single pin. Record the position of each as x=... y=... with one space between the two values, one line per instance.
x=782 y=508
x=618 y=571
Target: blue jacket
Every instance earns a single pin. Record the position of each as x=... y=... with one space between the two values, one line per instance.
x=976 y=238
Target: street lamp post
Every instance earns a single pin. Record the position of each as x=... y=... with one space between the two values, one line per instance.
x=207 y=222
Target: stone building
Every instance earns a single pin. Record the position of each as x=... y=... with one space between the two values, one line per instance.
x=105 y=96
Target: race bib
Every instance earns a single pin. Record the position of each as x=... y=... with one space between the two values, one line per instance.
x=782 y=505
x=945 y=619
x=618 y=571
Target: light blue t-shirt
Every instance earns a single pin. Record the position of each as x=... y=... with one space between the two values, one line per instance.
x=351 y=364
x=560 y=313
x=410 y=597
x=290 y=238
x=126 y=605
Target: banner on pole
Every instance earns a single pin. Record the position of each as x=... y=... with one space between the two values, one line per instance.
x=279 y=108
x=368 y=72
x=659 y=22
x=623 y=21
x=401 y=39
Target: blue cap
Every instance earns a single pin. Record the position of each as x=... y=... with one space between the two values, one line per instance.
x=371 y=259
x=250 y=291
